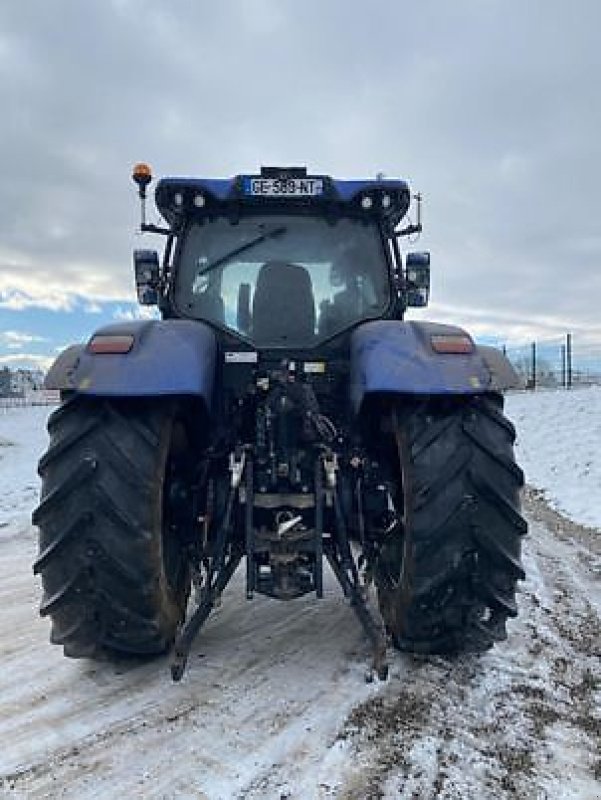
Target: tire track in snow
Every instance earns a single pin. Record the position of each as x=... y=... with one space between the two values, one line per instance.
x=513 y=723
x=274 y=704
x=258 y=677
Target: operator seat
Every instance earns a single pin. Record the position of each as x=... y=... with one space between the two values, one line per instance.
x=283 y=308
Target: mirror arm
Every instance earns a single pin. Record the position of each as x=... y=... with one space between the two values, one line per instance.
x=400 y=283
x=410 y=229
x=149 y=228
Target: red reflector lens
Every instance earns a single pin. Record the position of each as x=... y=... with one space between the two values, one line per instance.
x=110 y=344
x=452 y=344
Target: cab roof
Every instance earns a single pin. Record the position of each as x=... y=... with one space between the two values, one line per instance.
x=283 y=188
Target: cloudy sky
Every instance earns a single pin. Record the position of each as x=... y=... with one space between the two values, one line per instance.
x=491 y=108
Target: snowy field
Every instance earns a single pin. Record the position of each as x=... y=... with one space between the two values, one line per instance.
x=559 y=448
x=274 y=704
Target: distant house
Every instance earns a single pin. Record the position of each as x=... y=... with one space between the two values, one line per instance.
x=25 y=381
x=5 y=382
x=20 y=382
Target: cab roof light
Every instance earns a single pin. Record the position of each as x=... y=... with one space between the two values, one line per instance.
x=456 y=344
x=103 y=344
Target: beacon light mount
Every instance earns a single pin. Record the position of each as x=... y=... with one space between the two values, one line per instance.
x=142 y=177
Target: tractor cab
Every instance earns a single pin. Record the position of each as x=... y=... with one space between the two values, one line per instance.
x=282 y=259
x=285 y=280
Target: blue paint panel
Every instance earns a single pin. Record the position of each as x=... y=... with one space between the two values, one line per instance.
x=220 y=188
x=223 y=188
x=170 y=357
x=348 y=190
x=239 y=188
x=391 y=356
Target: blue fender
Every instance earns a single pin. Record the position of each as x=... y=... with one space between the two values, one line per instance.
x=167 y=357
x=398 y=357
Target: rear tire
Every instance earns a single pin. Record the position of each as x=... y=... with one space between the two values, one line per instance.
x=114 y=574
x=446 y=581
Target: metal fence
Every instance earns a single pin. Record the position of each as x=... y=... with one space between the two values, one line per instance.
x=41 y=398
x=566 y=361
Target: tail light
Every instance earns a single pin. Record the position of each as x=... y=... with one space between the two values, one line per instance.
x=456 y=344
x=110 y=344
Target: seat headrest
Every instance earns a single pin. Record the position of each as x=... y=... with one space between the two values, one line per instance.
x=283 y=305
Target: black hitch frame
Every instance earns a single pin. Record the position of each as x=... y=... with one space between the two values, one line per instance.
x=337 y=550
x=221 y=569
x=227 y=552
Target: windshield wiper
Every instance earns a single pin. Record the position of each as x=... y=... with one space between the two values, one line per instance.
x=262 y=237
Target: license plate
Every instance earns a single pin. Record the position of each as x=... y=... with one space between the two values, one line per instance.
x=283 y=187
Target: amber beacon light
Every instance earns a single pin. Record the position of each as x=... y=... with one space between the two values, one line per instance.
x=142 y=175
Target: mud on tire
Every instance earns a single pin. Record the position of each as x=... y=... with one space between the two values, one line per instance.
x=113 y=573
x=446 y=582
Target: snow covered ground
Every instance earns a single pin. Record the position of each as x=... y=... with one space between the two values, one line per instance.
x=274 y=704
x=559 y=448
x=22 y=439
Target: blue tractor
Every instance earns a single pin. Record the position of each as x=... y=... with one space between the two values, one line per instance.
x=283 y=414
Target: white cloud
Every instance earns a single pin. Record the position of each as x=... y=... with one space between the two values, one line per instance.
x=25 y=360
x=496 y=122
x=16 y=300
x=27 y=281
x=136 y=312
x=17 y=339
x=509 y=327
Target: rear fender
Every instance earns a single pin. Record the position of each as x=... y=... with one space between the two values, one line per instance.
x=167 y=357
x=502 y=372
x=398 y=357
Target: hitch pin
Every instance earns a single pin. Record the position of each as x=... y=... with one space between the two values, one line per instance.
x=237 y=468
x=330 y=464
x=288 y=524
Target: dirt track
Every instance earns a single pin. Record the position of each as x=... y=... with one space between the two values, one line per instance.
x=274 y=704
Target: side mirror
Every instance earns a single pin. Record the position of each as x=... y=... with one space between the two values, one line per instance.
x=417 y=278
x=146 y=268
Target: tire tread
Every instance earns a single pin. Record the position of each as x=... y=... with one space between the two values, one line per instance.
x=100 y=553
x=457 y=587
